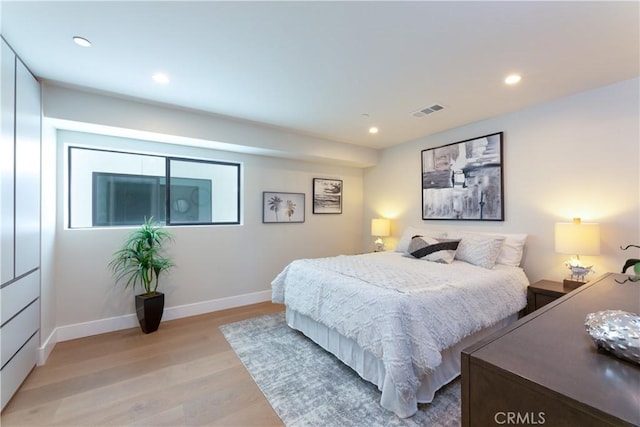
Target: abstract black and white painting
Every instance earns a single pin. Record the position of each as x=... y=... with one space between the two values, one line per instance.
x=464 y=180
x=327 y=196
x=282 y=207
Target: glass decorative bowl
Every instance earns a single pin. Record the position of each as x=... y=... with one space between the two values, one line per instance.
x=617 y=332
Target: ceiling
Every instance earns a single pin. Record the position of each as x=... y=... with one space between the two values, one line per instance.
x=332 y=69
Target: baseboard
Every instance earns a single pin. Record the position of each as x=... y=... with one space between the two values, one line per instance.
x=45 y=349
x=95 y=327
x=214 y=305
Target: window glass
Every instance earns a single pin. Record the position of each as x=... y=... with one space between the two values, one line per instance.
x=120 y=199
x=203 y=192
x=108 y=188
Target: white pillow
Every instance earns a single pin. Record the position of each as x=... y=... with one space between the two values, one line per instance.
x=409 y=232
x=477 y=249
x=512 y=248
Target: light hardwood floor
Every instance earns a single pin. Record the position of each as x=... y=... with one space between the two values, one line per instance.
x=183 y=374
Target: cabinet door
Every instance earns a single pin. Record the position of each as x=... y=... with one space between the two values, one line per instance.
x=7 y=95
x=27 y=176
x=14 y=372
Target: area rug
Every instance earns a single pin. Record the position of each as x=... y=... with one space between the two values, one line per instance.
x=307 y=386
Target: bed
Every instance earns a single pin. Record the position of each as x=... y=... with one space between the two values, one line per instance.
x=399 y=320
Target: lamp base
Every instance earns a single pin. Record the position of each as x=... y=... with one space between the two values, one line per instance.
x=572 y=284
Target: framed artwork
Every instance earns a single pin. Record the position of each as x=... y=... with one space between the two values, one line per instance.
x=282 y=207
x=327 y=196
x=464 y=180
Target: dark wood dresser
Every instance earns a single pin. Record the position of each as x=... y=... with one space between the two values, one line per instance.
x=546 y=370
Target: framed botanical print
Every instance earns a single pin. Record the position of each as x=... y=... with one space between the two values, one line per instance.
x=282 y=207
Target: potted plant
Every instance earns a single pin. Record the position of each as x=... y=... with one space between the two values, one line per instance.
x=140 y=261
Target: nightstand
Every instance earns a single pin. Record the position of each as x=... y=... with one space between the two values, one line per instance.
x=543 y=292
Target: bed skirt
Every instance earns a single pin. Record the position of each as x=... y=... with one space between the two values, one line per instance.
x=372 y=369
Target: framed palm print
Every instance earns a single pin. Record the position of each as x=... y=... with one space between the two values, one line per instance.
x=464 y=180
x=282 y=207
x=327 y=196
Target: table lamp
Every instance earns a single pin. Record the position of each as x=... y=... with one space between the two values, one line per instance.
x=577 y=238
x=380 y=227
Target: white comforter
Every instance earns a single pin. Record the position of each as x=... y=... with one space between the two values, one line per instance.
x=402 y=310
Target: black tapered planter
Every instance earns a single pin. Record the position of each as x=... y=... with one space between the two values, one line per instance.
x=149 y=310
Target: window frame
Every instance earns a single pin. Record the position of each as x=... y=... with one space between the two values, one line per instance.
x=167 y=158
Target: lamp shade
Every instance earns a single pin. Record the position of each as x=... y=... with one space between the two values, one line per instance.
x=577 y=238
x=380 y=227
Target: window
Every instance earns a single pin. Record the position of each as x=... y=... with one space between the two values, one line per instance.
x=109 y=188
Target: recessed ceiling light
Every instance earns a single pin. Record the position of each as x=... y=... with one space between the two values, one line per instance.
x=513 y=79
x=160 y=78
x=373 y=129
x=81 y=41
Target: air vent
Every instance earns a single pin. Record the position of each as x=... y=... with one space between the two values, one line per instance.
x=428 y=110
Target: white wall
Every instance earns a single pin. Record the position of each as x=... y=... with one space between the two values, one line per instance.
x=217 y=267
x=48 y=312
x=76 y=108
x=213 y=262
x=575 y=156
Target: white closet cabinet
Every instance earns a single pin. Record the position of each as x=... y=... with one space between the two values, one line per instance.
x=7 y=157
x=20 y=207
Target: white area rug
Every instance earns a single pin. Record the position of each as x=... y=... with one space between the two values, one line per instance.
x=307 y=386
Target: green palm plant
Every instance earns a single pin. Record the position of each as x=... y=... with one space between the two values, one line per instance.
x=140 y=261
